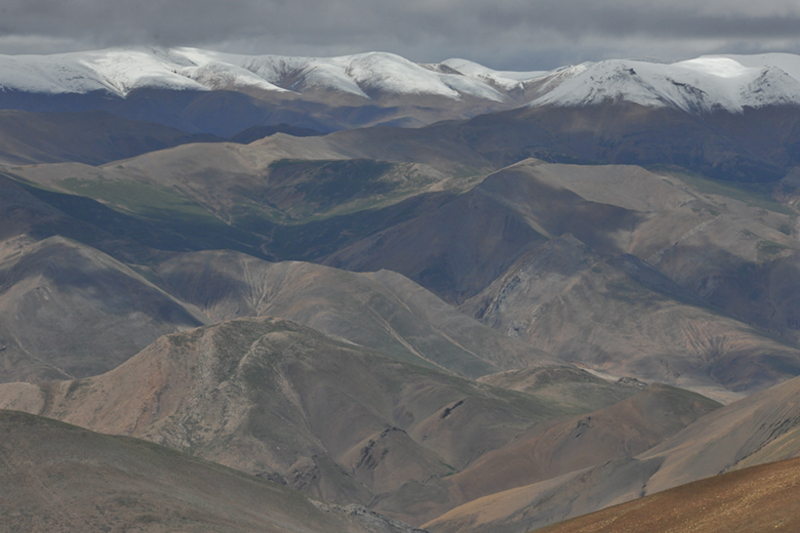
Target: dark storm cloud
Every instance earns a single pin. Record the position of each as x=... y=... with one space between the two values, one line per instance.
x=501 y=33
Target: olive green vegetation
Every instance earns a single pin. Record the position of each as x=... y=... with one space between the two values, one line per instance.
x=298 y=210
x=150 y=201
x=753 y=194
x=313 y=239
x=770 y=248
x=158 y=218
x=188 y=231
x=316 y=190
x=679 y=398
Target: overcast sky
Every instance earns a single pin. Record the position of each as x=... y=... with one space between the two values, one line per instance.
x=512 y=34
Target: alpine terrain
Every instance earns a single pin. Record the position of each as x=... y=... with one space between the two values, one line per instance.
x=362 y=294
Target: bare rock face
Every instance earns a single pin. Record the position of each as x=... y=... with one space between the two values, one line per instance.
x=377 y=522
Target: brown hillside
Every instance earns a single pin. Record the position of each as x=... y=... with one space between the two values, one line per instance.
x=68 y=310
x=619 y=315
x=762 y=427
x=559 y=446
x=273 y=398
x=624 y=429
x=58 y=478
x=757 y=499
x=383 y=310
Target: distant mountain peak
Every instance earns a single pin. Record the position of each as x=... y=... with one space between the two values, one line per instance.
x=120 y=70
x=705 y=84
x=460 y=88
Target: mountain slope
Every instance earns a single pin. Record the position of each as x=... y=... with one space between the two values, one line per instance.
x=205 y=91
x=338 y=421
x=720 y=248
x=259 y=190
x=65 y=479
x=68 y=310
x=619 y=315
x=756 y=145
x=559 y=446
x=757 y=429
x=760 y=498
x=624 y=429
x=91 y=137
x=383 y=311
x=727 y=251
x=704 y=84
x=273 y=398
x=119 y=71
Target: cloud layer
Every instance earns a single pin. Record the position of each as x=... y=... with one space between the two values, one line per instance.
x=516 y=34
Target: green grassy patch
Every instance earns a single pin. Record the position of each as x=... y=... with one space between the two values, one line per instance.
x=770 y=248
x=756 y=195
x=311 y=239
x=151 y=201
x=307 y=191
x=450 y=469
x=162 y=224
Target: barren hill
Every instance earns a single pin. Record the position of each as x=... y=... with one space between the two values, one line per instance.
x=620 y=315
x=331 y=418
x=706 y=269
x=383 y=311
x=559 y=446
x=757 y=499
x=68 y=310
x=755 y=430
x=274 y=398
x=61 y=478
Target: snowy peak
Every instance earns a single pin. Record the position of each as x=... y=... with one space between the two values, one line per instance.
x=115 y=71
x=508 y=80
x=699 y=85
x=705 y=84
x=367 y=75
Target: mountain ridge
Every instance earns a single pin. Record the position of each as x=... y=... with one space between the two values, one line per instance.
x=67 y=478
x=706 y=83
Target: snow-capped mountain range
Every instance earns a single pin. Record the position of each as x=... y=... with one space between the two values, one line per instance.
x=120 y=71
x=705 y=84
